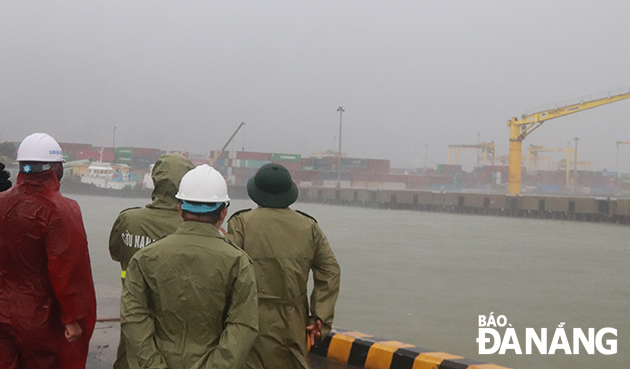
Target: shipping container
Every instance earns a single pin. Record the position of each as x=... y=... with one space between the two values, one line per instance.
x=354 y=162
x=249 y=155
x=108 y=157
x=305 y=175
x=323 y=164
x=141 y=151
x=608 y=174
x=88 y=154
x=331 y=183
x=214 y=153
x=286 y=157
x=368 y=177
x=378 y=164
x=290 y=165
x=250 y=163
x=449 y=169
x=308 y=161
x=123 y=152
x=142 y=162
x=550 y=188
x=366 y=184
x=123 y=160
x=334 y=175
x=74 y=147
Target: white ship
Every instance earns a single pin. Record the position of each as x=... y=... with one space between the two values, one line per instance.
x=107 y=175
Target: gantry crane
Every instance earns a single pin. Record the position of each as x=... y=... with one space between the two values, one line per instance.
x=521 y=128
x=487 y=148
x=533 y=150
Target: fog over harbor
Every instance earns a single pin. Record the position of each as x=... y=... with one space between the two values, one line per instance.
x=183 y=75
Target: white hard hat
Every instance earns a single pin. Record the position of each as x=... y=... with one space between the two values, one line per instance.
x=39 y=147
x=203 y=184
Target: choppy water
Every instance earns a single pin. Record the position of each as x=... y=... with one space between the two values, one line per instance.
x=424 y=278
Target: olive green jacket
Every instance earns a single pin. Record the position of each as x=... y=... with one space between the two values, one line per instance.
x=189 y=301
x=284 y=246
x=138 y=227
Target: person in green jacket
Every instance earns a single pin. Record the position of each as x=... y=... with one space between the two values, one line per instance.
x=285 y=245
x=136 y=228
x=189 y=300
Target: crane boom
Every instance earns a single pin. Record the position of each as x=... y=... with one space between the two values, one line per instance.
x=521 y=128
x=218 y=155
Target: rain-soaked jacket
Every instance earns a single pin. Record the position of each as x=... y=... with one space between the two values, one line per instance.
x=138 y=227
x=189 y=301
x=45 y=275
x=284 y=245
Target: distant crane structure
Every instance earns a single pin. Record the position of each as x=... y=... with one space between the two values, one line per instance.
x=218 y=155
x=532 y=156
x=529 y=122
x=486 y=149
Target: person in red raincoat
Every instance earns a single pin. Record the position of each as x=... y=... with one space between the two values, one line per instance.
x=47 y=299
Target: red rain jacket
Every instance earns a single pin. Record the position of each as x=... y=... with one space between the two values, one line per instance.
x=45 y=276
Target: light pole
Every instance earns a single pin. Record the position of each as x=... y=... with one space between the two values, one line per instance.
x=340 y=110
x=426 y=152
x=576 y=139
x=114 y=141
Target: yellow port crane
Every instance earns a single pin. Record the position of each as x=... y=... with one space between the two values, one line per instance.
x=487 y=148
x=532 y=155
x=521 y=128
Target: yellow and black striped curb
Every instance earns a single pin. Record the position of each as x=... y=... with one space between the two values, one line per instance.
x=371 y=352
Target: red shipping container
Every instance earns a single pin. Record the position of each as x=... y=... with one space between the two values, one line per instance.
x=88 y=154
x=397 y=178
x=308 y=161
x=305 y=176
x=67 y=147
x=441 y=179
x=291 y=165
x=108 y=156
x=378 y=163
x=250 y=155
x=139 y=151
x=369 y=177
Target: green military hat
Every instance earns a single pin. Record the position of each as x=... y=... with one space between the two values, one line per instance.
x=272 y=187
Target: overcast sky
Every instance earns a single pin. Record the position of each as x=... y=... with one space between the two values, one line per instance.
x=182 y=75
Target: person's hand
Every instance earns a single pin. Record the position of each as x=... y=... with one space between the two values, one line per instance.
x=73 y=332
x=314 y=331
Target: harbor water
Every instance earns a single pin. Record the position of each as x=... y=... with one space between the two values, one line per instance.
x=425 y=278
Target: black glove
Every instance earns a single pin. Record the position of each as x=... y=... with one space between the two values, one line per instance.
x=5 y=184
